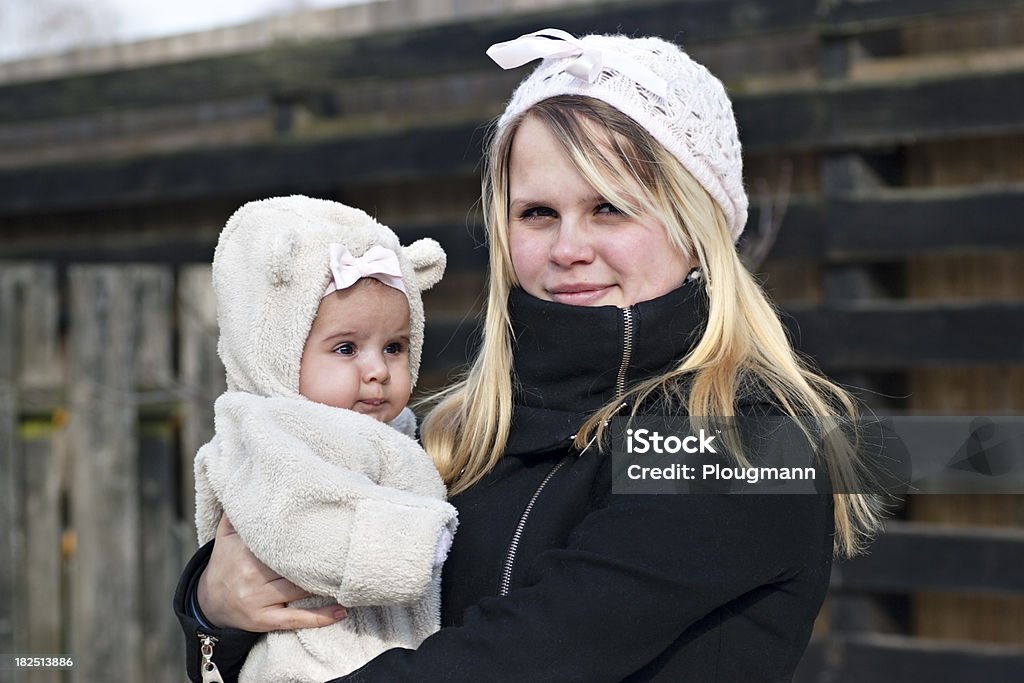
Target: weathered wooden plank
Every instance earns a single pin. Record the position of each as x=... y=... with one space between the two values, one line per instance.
x=105 y=515
x=889 y=226
x=153 y=299
x=849 y=613
x=172 y=250
x=44 y=591
x=41 y=378
x=31 y=135
x=201 y=378
x=461 y=242
x=161 y=557
x=915 y=557
x=28 y=365
x=864 y=657
x=902 y=112
x=852 y=16
x=159 y=548
x=896 y=224
x=108 y=319
x=299 y=70
x=905 y=334
x=829 y=117
x=449 y=344
x=886 y=336
x=913 y=222
x=247 y=172
x=11 y=532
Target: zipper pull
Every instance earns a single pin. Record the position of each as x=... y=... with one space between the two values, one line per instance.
x=207 y=668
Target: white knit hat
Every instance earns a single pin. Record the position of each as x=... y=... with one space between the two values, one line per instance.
x=652 y=81
x=270 y=270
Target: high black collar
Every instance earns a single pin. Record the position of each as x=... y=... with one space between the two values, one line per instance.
x=566 y=359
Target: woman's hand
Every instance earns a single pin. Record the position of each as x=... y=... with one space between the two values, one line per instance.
x=236 y=590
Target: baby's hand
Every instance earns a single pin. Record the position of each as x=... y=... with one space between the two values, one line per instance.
x=236 y=590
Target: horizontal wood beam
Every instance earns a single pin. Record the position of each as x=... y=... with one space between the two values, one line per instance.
x=852 y=16
x=289 y=68
x=870 y=229
x=824 y=118
x=905 y=334
x=463 y=243
x=898 y=224
x=868 y=337
x=249 y=172
x=856 y=116
x=910 y=557
x=854 y=659
x=834 y=117
x=886 y=228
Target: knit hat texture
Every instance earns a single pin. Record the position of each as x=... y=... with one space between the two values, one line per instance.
x=270 y=270
x=691 y=115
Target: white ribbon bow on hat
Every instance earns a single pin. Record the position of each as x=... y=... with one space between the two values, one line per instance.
x=378 y=263
x=553 y=43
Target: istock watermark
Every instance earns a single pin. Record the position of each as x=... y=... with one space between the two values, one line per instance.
x=898 y=455
x=641 y=441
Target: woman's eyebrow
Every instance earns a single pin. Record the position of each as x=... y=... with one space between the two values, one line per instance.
x=592 y=198
x=529 y=201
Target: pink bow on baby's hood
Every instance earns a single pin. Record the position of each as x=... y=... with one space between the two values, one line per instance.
x=378 y=263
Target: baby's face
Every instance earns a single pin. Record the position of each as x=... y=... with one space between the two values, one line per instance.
x=357 y=352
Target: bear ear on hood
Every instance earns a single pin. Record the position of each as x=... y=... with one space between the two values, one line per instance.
x=428 y=261
x=283 y=248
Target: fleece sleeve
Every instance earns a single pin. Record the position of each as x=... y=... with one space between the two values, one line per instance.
x=301 y=484
x=634 y=576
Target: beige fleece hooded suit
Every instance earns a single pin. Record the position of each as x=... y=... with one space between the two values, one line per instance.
x=338 y=503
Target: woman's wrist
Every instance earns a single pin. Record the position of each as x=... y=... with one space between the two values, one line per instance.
x=192 y=603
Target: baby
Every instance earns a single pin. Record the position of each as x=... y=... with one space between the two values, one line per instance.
x=319 y=310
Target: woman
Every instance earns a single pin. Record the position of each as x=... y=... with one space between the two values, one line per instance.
x=613 y=197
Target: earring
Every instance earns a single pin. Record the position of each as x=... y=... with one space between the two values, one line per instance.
x=698 y=274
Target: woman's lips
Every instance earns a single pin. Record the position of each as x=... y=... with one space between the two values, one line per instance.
x=578 y=295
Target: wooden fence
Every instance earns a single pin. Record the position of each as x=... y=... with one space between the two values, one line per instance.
x=105 y=394
x=107 y=381
x=892 y=130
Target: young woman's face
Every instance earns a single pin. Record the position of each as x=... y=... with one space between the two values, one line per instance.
x=568 y=244
x=357 y=352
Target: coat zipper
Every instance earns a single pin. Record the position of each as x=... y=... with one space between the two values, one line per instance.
x=209 y=670
x=506 y=574
x=627 y=351
x=620 y=390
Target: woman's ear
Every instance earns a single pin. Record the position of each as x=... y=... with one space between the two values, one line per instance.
x=428 y=261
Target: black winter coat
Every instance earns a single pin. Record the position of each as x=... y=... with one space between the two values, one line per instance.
x=552 y=577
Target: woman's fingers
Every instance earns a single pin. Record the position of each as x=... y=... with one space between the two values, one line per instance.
x=281 y=590
x=292 y=618
x=236 y=590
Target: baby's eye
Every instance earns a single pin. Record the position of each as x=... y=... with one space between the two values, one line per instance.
x=345 y=349
x=607 y=209
x=394 y=348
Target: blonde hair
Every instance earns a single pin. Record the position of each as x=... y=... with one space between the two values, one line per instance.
x=742 y=347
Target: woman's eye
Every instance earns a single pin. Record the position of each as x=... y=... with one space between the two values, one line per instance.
x=346 y=349
x=394 y=348
x=607 y=209
x=537 y=212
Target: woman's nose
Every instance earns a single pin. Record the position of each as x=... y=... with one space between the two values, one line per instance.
x=572 y=243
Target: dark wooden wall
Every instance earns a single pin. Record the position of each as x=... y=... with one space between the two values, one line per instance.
x=889 y=135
